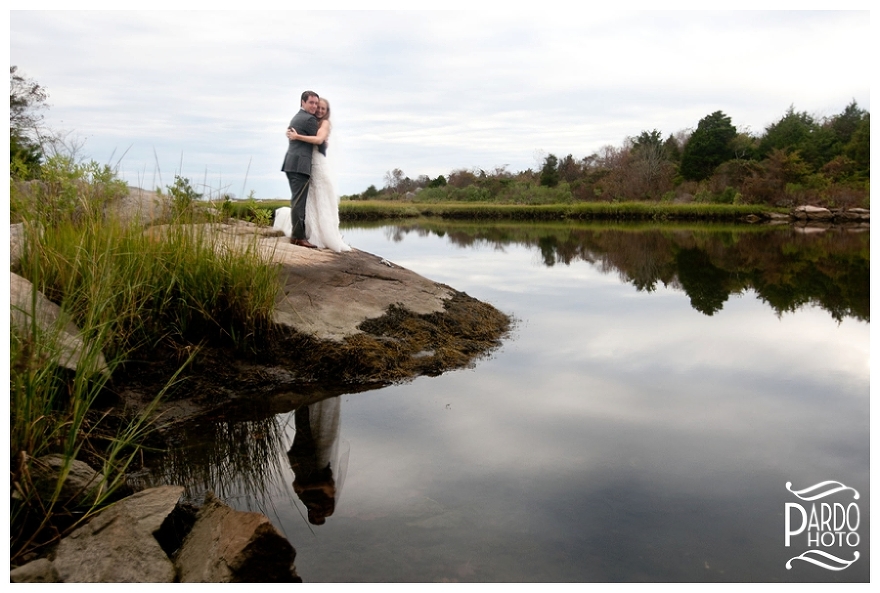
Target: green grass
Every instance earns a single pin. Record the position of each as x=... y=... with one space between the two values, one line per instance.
x=127 y=291
x=375 y=210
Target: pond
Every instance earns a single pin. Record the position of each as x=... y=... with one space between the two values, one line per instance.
x=661 y=387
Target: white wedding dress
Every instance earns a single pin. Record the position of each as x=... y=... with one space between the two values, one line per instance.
x=322 y=209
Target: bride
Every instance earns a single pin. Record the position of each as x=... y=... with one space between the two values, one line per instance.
x=322 y=206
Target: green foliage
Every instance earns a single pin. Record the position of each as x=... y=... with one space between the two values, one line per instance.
x=800 y=132
x=370 y=193
x=258 y=213
x=183 y=196
x=647 y=140
x=858 y=148
x=799 y=159
x=226 y=206
x=53 y=413
x=66 y=190
x=549 y=210
x=708 y=147
x=549 y=173
x=672 y=148
x=727 y=196
x=821 y=141
x=24 y=157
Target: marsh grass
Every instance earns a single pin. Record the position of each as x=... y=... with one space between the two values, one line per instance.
x=126 y=291
x=606 y=211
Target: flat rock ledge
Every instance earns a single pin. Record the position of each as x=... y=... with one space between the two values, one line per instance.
x=150 y=538
x=347 y=319
x=327 y=295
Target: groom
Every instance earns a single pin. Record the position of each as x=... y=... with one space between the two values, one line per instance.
x=298 y=166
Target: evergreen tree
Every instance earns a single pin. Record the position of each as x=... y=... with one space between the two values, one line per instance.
x=708 y=147
x=550 y=171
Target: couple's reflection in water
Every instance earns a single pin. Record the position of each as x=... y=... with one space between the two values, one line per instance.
x=316 y=458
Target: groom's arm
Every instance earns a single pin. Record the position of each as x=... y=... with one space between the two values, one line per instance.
x=309 y=127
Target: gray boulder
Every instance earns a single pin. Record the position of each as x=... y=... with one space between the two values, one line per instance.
x=812 y=213
x=28 y=305
x=79 y=483
x=150 y=508
x=114 y=547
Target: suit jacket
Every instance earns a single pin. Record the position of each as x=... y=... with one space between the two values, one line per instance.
x=299 y=154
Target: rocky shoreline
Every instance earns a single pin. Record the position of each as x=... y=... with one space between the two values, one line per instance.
x=342 y=322
x=151 y=537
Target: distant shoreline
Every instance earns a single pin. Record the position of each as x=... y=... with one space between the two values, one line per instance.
x=354 y=210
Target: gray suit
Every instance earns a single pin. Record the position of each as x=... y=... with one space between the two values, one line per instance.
x=298 y=166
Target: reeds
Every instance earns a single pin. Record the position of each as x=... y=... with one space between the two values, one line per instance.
x=125 y=291
x=613 y=211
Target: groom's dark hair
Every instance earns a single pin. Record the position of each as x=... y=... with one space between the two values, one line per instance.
x=307 y=94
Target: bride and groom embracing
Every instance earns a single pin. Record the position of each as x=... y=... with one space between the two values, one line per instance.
x=313 y=217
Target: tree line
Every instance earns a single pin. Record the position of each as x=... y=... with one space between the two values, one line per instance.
x=799 y=159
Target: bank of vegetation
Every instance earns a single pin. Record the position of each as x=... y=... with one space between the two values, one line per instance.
x=799 y=159
x=133 y=296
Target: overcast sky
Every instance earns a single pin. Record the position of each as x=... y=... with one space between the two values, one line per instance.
x=209 y=94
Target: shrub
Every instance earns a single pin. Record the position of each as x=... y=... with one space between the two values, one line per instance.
x=183 y=196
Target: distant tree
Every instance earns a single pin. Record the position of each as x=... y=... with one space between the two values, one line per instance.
x=847 y=122
x=394 y=181
x=744 y=146
x=569 y=169
x=647 y=140
x=550 y=172
x=800 y=131
x=461 y=178
x=708 y=147
x=649 y=168
x=859 y=147
x=371 y=192
x=789 y=133
x=672 y=146
x=26 y=99
x=440 y=181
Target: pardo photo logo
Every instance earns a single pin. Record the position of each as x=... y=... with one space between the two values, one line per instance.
x=823 y=526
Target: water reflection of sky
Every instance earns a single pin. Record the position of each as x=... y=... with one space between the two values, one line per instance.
x=617 y=436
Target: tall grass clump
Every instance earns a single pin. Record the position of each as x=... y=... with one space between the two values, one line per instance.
x=124 y=290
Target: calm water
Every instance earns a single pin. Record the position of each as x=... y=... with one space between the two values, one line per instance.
x=659 y=390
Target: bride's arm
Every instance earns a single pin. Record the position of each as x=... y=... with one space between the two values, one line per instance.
x=319 y=138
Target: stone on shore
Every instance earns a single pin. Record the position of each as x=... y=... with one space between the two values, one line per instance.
x=114 y=547
x=228 y=546
x=79 y=483
x=28 y=305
